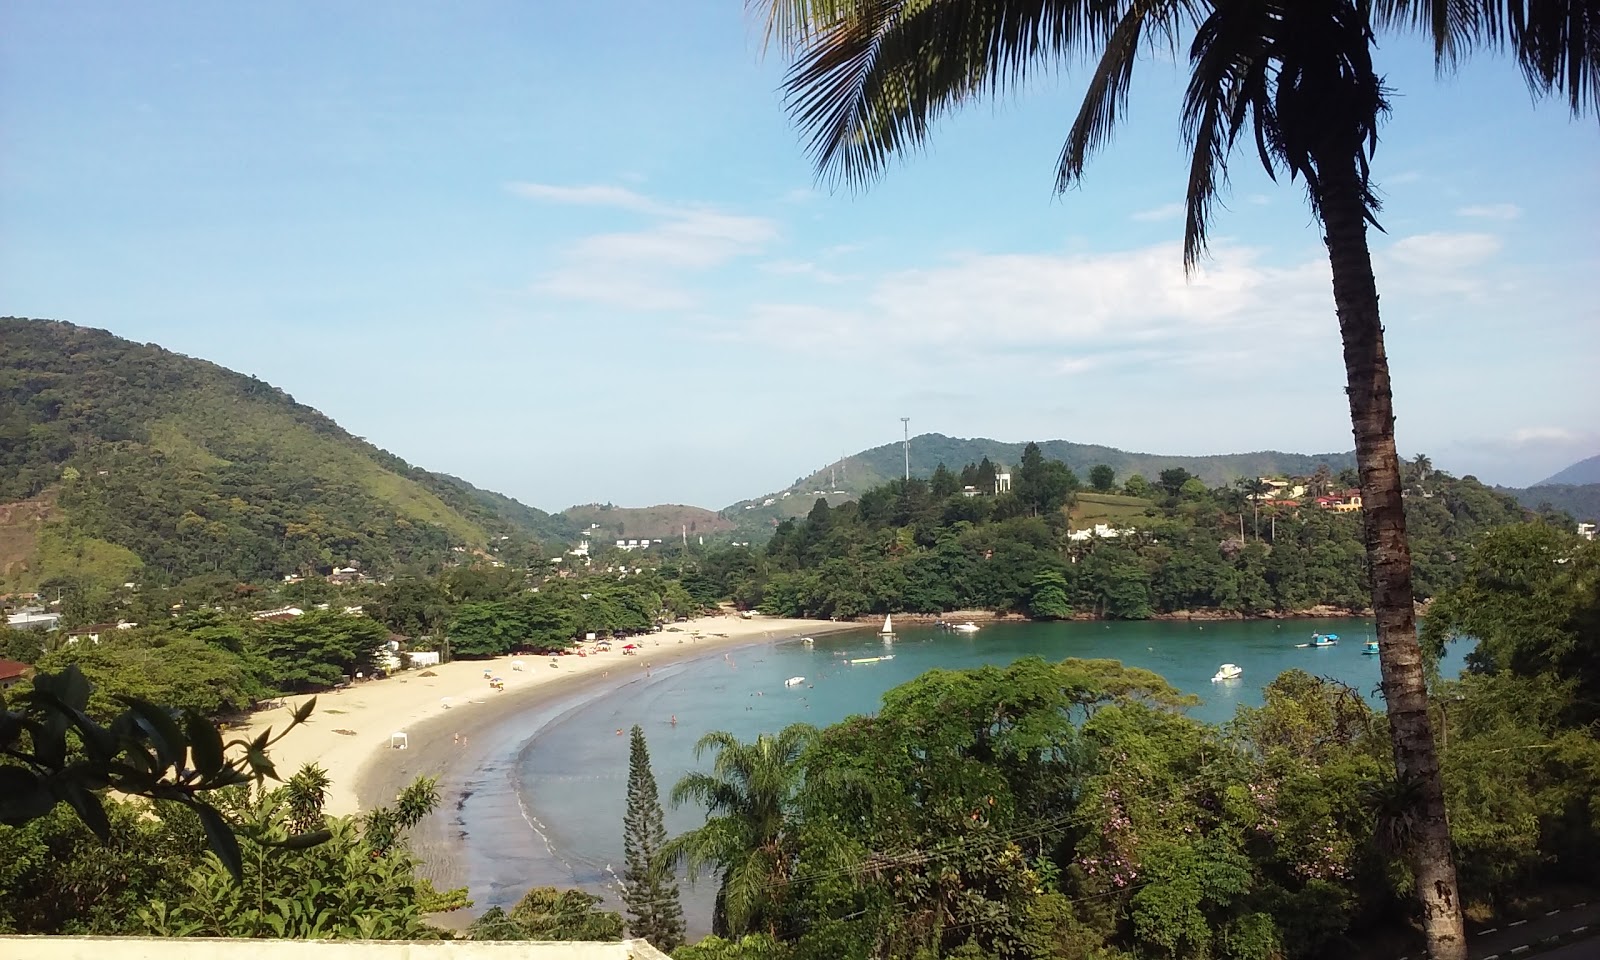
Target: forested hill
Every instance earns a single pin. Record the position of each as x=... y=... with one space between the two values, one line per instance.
x=869 y=468
x=851 y=476
x=119 y=458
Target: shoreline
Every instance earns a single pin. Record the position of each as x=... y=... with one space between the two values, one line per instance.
x=349 y=732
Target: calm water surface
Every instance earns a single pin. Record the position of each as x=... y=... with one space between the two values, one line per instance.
x=554 y=815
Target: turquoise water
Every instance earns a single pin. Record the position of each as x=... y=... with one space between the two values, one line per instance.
x=554 y=813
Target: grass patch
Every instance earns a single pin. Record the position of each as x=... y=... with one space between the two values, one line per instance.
x=1103 y=507
x=61 y=552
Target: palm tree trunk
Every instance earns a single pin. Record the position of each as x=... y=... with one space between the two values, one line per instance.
x=1355 y=296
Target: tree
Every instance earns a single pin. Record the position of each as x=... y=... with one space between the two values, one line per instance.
x=1049 y=598
x=1172 y=480
x=868 y=79
x=545 y=913
x=750 y=801
x=52 y=752
x=1102 y=478
x=648 y=889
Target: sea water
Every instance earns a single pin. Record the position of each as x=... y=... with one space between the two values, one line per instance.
x=552 y=813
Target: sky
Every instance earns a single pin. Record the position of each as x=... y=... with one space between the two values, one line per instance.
x=574 y=250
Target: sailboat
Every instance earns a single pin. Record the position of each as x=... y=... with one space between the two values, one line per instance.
x=888 y=625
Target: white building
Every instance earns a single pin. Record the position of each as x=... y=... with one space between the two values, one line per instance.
x=1100 y=531
x=1586 y=531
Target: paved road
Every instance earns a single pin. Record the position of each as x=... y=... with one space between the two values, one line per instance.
x=1583 y=950
x=1500 y=942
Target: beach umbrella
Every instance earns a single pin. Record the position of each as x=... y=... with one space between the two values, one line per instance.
x=630 y=646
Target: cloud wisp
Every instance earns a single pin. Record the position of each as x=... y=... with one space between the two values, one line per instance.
x=647 y=268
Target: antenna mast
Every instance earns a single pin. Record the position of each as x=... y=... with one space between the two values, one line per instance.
x=905 y=426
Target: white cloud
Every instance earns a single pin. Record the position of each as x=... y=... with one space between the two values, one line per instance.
x=1167 y=211
x=1491 y=211
x=1444 y=251
x=801 y=268
x=644 y=269
x=1527 y=435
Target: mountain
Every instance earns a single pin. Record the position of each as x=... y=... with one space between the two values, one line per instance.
x=1582 y=501
x=661 y=522
x=126 y=461
x=1580 y=473
x=855 y=474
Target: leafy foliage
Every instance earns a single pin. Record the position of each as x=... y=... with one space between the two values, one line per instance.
x=545 y=913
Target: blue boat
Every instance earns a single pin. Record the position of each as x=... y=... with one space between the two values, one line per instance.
x=1371 y=649
x=1324 y=640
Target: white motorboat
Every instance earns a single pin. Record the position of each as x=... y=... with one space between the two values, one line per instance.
x=1228 y=671
x=794 y=681
x=968 y=627
x=807 y=641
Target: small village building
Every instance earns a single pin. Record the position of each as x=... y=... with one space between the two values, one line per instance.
x=12 y=672
x=33 y=618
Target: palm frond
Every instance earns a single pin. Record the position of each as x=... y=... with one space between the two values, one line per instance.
x=869 y=83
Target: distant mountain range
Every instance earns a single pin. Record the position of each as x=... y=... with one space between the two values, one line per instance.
x=118 y=457
x=853 y=475
x=1580 y=473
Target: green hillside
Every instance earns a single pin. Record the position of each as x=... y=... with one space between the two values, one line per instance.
x=1582 y=501
x=118 y=457
x=851 y=476
x=664 y=521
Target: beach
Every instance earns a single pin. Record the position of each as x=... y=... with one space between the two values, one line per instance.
x=450 y=716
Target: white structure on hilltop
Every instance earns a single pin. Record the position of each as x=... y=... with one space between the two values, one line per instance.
x=1586 y=531
x=1002 y=483
x=1100 y=531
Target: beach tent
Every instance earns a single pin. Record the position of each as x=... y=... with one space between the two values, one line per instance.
x=398 y=741
x=516 y=664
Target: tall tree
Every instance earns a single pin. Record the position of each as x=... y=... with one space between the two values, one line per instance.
x=869 y=77
x=1102 y=478
x=750 y=800
x=648 y=888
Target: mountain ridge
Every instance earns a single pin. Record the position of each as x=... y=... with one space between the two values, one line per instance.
x=181 y=467
x=1585 y=471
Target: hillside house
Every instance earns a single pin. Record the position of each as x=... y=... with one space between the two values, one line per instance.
x=1100 y=531
x=33 y=618
x=1347 y=502
x=12 y=672
x=1586 y=531
x=93 y=631
x=278 y=615
x=345 y=575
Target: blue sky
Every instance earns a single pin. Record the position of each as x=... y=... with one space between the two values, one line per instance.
x=573 y=251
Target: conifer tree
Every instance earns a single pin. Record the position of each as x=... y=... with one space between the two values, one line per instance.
x=648 y=887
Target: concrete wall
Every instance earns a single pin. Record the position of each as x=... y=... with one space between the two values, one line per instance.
x=200 y=948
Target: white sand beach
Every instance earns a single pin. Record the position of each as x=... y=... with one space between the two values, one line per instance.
x=349 y=732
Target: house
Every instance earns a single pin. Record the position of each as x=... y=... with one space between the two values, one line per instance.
x=12 y=672
x=93 y=631
x=1347 y=502
x=33 y=618
x=345 y=575
x=1586 y=531
x=1277 y=489
x=1100 y=531
x=278 y=615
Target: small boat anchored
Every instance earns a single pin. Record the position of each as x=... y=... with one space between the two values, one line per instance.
x=887 y=656
x=968 y=627
x=794 y=681
x=1321 y=640
x=808 y=641
x=1228 y=671
x=888 y=625
x=1371 y=649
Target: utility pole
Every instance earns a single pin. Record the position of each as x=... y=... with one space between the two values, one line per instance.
x=905 y=426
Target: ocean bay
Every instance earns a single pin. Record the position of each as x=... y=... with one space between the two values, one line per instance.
x=551 y=811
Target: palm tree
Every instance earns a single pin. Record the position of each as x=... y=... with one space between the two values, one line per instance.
x=750 y=800
x=1295 y=77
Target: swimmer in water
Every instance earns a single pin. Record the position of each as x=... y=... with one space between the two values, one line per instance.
x=674 y=720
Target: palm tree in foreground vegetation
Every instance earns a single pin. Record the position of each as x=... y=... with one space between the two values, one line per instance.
x=1295 y=79
x=749 y=798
